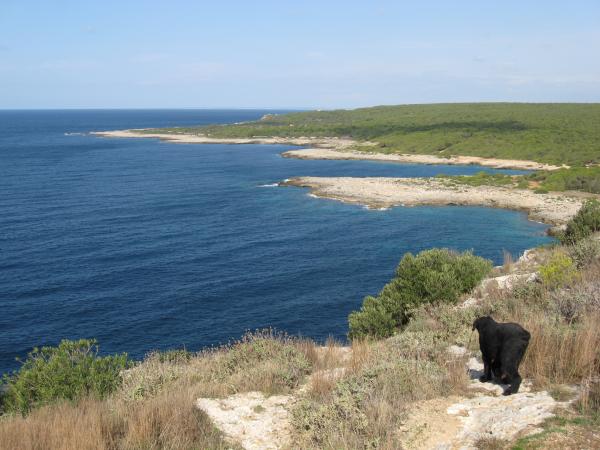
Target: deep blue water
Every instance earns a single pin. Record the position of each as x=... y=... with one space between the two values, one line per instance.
x=150 y=245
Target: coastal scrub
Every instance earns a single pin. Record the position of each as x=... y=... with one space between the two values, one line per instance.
x=70 y=371
x=432 y=277
x=583 y=224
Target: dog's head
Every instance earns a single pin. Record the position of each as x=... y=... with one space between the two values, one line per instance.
x=482 y=322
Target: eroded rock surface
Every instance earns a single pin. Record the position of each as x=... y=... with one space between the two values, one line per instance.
x=251 y=419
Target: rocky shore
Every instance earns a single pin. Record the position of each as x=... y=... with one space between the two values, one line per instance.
x=331 y=143
x=554 y=208
x=330 y=148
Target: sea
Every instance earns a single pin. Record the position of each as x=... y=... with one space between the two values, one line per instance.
x=148 y=245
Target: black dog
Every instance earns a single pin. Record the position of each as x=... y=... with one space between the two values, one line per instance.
x=502 y=348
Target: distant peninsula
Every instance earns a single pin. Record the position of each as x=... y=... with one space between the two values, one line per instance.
x=560 y=143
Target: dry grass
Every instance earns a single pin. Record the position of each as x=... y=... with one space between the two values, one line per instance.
x=561 y=353
x=491 y=443
x=88 y=425
x=361 y=352
x=458 y=377
x=589 y=400
x=507 y=261
x=164 y=422
x=365 y=406
x=322 y=382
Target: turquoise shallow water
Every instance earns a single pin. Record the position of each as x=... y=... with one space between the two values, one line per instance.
x=150 y=245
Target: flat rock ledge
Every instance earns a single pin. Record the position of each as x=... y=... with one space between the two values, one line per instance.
x=499 y=417
x=183 y=138
x=256 y=421
x=457 y=423
x=251 y=419
x=382 y=193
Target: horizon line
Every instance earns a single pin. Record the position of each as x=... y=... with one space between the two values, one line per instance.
x=290 y=108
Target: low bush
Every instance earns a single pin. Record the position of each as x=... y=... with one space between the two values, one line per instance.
x=432 y=277
x=585 y=252
x=260 y=361
x=583 y=224
x=365 y=408
x=575 y=303
x=68 y=372
x=265 y=361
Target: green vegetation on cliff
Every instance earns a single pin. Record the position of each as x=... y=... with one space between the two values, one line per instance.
x=68 y=372
x=585 y=223
x=432 y=277
x=550 y=133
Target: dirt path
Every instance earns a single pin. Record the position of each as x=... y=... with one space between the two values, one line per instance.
x=255 y=421
x=459 y=422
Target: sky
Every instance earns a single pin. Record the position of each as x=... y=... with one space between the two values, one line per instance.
x=295 y=54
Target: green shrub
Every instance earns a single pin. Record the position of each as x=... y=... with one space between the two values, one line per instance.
x=583 y=224
x=432 y=277
x=375 y=319
x=69 y=371
x=560 y=270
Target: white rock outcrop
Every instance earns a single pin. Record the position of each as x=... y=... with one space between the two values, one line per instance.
x=251 y=419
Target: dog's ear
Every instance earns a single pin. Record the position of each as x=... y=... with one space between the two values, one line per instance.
x=475 y=325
